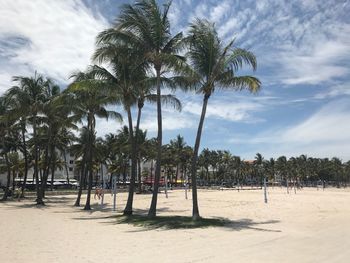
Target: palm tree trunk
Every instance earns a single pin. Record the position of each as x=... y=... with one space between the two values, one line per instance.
x=89 y=170
x=7 y=190
x=153 y=207
x=25 y=155
x=177 y=171
x=128 y=207
x=13 y=179
x=53 y=168
x=81 y=182
x=139 y=175
x=45 y=172
x=52 y=173
x=195 y=210
x=88 y=197
x=39 y=200
x=89 y=162
x=66 y=165
x=140 y=106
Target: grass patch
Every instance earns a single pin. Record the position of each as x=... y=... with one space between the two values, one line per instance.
x=170 y=222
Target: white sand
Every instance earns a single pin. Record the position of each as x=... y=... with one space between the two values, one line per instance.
x=310 y=226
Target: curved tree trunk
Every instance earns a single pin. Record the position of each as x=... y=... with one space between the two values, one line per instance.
x=153 y=208
x=195 y=210
x=128 y=207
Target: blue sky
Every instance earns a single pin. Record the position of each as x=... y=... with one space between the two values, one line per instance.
x=303 y=52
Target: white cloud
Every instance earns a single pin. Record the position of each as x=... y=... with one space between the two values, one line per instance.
x=323 y=134
x=229 y=111
x=322 y=64
x=59 y=37
x=170 y=121
x=296 y=43
x=334 y=91
x=219 y=11
x=104 y=126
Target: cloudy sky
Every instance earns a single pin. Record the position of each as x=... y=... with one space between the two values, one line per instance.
x=303 y=52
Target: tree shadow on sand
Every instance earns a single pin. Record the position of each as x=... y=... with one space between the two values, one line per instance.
x=14 y=203
x=183 y=222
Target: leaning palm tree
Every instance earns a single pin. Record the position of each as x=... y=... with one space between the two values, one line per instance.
x=215 y=66
x=146 y=27
x=89 y=98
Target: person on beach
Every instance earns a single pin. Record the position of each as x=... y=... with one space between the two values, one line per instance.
x=99 y=193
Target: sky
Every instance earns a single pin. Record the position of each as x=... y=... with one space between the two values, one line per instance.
x=303 y=53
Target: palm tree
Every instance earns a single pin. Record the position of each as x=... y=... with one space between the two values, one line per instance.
x=89 y=97
x=127 y=73
x=238 y=167
x=281 y=167
x=142 y=143
x=204 y=161
x=177 y=145
x=214 y=66
x=5 y=126
x=146 y=27
x=79 y=149
x=258 y=163
x=33 y=91
x=15 y=166
x=56 y=123
x=18 y=100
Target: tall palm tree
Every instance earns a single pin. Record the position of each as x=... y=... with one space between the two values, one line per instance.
x=146 y=27
x=79 y=149
x=215 y=66
x=56 y=121
x=127 y=72
x=89 y=97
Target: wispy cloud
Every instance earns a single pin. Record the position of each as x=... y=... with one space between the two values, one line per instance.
x=227 y=110
x=171 y=121
x=334 y=91
x=323 y=134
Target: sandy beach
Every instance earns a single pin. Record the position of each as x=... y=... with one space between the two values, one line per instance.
x=310 y=226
